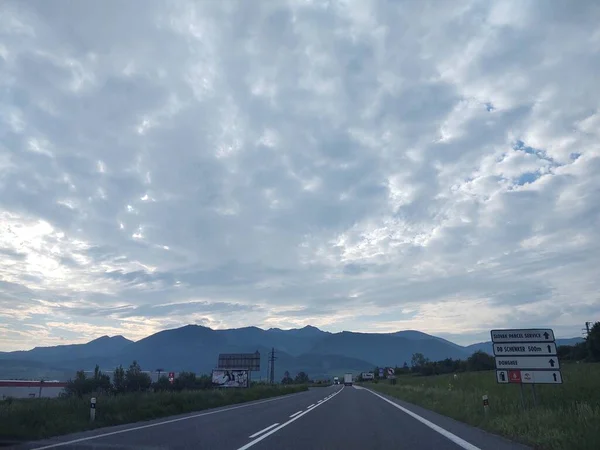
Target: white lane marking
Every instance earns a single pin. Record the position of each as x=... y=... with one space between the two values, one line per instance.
x=296 y=413
x=252 y=436
x=208 y=413
x=454 y=438
x=275 y=430
x=311 y=406
x=319 y=401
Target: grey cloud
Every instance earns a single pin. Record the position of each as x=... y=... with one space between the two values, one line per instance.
x=247 y=149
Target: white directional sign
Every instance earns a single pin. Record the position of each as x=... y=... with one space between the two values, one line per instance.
x=526 y=356
x=525 y=349
x=525 y=335
x=526 y=362
x=541 y=377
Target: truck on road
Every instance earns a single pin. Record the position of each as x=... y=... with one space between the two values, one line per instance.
x=336 y=380
x=347 y=379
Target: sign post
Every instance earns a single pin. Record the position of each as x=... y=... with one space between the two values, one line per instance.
x=486 y=404
x=526 y=356
x=93 y=409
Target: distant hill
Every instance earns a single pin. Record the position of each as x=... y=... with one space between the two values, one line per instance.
x=196 y=348
x=98 y=347
x=386 y=349
x=14 y=369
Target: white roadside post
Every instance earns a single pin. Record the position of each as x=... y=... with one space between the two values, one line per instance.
x=486 y=405
x=93 y=409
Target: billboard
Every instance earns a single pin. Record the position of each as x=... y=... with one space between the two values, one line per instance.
x=230 y=378
x=368 y=376
x=247 y=361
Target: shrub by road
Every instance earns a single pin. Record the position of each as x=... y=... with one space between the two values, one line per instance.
x=30 y=419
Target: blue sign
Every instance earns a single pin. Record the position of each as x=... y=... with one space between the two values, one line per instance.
x=380 y=372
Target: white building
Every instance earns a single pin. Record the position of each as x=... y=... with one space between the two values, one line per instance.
x=30 y=389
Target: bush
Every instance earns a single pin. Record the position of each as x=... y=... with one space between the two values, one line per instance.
x=28 y=419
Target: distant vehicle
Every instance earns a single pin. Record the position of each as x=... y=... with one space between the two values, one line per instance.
x=336 y=380
x=347 y=379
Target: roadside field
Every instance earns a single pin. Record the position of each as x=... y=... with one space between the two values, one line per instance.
x=29 y=419
x=567 y=416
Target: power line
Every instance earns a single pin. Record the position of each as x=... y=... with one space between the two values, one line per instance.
x=272 y=359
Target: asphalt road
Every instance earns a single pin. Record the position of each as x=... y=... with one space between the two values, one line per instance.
x=329 y=418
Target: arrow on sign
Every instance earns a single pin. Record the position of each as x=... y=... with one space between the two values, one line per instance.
x=546 y=335
x=554 y=375
x=551 y=362
x=549 y=349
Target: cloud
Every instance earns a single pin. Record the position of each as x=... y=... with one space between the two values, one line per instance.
x=365 y=165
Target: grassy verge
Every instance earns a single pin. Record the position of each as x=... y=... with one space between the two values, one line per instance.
x=29 y=419
x=567 y=417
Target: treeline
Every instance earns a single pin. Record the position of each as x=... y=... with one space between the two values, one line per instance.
x=132 y=379
x=588 y=351
x=420 y=365
x=300 y=378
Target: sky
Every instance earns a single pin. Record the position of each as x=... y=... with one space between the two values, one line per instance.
x=357 y=165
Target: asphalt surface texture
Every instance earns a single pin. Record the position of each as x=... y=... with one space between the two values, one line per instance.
x=329 y=418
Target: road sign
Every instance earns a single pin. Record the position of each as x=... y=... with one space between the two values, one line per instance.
x=390 y=371
x=526 y=362
x=525 y=349
x=245 y=361
x=541 y=377
x=502 y=376
x=524 y=335
x=171 y=377
x=381 y=372
x=526 y=356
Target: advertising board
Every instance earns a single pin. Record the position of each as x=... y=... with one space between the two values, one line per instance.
x=248 y=361
x=230 y=378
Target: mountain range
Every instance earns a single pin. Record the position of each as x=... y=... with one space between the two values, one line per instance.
x=196 y=348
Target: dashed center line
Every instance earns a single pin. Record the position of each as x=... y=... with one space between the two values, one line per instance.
x=295 y=414
x=311 y=406
x=263 y=430
x=319 y=401
x=272 y=430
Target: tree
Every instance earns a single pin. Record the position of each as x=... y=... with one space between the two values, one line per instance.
x=301 y=378
x=119 y=380
x=135 y=379
x=418 y=360
x=185 y=380
x=286 y=378
x=480 y=361
x=593 y=342
x=78 y=386
x=101 y=381
x=162 y=384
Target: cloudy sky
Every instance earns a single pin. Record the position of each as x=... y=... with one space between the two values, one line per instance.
x=353 y=165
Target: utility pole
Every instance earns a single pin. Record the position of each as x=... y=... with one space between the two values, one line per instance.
x=272 y=359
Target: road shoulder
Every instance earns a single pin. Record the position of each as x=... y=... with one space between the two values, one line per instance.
x=476 y=436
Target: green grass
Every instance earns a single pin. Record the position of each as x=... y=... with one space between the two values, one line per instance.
x=567 y=417
x=28 y=419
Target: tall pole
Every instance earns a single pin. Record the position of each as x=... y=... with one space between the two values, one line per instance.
x=272 y=362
